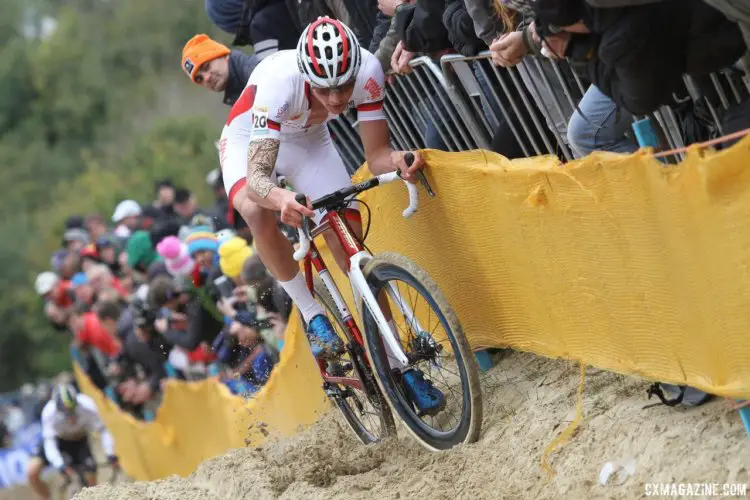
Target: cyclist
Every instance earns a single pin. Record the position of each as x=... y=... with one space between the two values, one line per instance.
x=67 y=420
x=278 y=127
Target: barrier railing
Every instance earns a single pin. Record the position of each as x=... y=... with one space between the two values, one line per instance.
x=423 y=107
x=347 y=141
x=461 y=104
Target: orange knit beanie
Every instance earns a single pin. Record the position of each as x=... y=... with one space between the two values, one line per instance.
x=199 y=50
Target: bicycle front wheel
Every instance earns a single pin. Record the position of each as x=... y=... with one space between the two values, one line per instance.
x=431 y=337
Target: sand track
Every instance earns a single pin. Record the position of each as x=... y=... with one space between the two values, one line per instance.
x=528 y=401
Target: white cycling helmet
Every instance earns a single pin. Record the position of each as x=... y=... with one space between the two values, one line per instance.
x=45 y=282
x=328 y=53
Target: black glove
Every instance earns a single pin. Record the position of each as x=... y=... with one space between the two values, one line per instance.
x=113 y=461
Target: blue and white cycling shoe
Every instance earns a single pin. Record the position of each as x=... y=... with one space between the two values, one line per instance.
x=427 y=399
x=323 y=339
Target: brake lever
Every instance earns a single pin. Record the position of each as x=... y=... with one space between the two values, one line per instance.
x=409 y=160
x=302 y=200
x=303 y=232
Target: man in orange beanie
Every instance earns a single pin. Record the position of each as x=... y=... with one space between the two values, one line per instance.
x=215 y=67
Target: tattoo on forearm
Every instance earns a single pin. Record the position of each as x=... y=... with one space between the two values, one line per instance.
x=261 y=159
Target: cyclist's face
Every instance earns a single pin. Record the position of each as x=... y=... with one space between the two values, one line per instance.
x=214 y=74
x=336 y=99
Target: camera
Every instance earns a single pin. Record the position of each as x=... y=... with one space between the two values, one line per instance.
x=143 y=315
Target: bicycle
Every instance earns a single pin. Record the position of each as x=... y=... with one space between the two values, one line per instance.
x=70 y=488
x=361 y=382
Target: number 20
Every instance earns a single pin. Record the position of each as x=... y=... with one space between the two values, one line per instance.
x=259 y=121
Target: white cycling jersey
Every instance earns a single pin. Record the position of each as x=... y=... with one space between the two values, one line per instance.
x=276 y=104
x=57 y=425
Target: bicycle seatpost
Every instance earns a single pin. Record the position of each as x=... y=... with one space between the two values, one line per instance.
x=409 y=160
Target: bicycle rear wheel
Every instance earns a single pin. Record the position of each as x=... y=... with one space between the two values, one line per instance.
x=365 y=411
x=434 y=343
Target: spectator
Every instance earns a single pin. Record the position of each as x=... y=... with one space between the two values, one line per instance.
x=90 y=333
x=635 y=64
x=165 y=192
x=176 y=257
x=140 y=251
x=202 y=247
x=187 y=209
x=501 y=28
x=215 y=67
x=107 y=250
x=233 y=254
x=204 y=320
x=216 y=181
x=420 y=29
x=115 y=319
x=95 y=226
x=262 y=289
x=101 y=280
x=84 y=292
x=269 y=26
x=89 y=257
x=74 y=221
x=75 y=239
x=125 y=218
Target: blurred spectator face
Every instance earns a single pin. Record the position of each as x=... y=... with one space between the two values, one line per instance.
x=131 y=222
x=214 y=74
x=54 y=314
x=110 y=325
x=186 y=208
x=87 y=264
x=99 y=277
x=108 y=254
x=71 y=265
x=246 y=336
x=84 y=294
x=75 y=245
x=334 y=100
x=204 y=258
x=95 y=226
x=165 y=196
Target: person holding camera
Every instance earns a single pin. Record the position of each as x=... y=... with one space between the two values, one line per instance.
x=138 y=371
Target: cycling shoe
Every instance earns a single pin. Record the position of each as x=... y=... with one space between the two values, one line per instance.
x=427 y=399
x=323 y=339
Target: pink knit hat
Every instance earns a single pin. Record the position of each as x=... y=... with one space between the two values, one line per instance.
x=176 y=256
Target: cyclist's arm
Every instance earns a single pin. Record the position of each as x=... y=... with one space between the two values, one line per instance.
x=261 y=160
x=49 y=436
x=95 y=424
x=375 y=139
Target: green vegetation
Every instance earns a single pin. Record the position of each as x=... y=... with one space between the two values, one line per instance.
x=89 y=115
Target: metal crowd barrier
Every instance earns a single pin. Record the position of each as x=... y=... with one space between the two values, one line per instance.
x=462 y=103
x=347 y=142
x=423 y=101
x=520 y=97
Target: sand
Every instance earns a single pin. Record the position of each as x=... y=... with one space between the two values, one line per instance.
x=528 y=401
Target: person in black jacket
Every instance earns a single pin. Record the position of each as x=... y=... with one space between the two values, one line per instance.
x=637 y=55
x=203 y=321
x=267 y=25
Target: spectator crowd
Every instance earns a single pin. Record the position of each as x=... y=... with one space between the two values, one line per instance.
x=165 y=289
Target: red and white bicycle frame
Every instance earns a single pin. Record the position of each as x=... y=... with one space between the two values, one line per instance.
x=358 y=256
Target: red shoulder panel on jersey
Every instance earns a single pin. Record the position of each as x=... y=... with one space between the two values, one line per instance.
x=274 y=125
x=370 y=106
x=243 y=104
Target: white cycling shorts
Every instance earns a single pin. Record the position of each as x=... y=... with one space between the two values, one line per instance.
x=309 y=161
